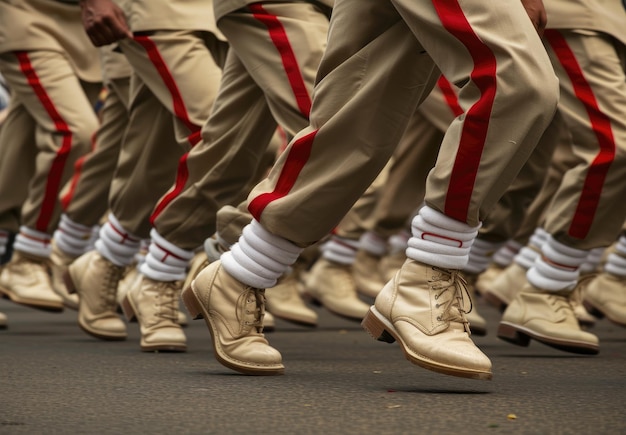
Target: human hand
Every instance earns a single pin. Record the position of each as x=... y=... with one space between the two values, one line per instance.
x=104 y=22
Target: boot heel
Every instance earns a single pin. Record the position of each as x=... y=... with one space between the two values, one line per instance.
x=512 y=335
x=128 y=311
x=191 y=303
x=593 y=310
x=376 y=328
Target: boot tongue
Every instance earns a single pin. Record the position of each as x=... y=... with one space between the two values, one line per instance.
x=454 y=297
x=250 y=310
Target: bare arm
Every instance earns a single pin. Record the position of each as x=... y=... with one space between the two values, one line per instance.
x=104 y=22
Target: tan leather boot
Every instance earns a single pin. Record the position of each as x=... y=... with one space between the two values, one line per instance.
x=59 y=262
x=366 y=272
x=547 y=317
x=95 y=279
x=391 y=263
x=477 y=323
x=3 y=321
x=25 y=280
x=606 y=296
x=505 y=286
x=127 y=282
x=284 y=301
x=332 y=285
x=234 y=315
x=486 y=278
x=154 y=304
x=585 y=319
x=269 y=322
x=421 y=308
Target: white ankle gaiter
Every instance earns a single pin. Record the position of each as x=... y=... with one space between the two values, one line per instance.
x=71 y=237
x=95 y=235
x=165 y=261
x=481 y=254
x=505 y=255
x=33 y=242
x=557 y=268
x=592 y=262
x=616 y=261
x=4 y=241
x=528 y=254
x=115 y=244
x=399 y=242
x=340 y=250
x=259 y=258
x=373 y=244
x=439 y=240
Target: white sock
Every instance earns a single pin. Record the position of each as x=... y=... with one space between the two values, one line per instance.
x=71 y=237
x=480 y=255
x=340 y=250
x=616 y=261
x=592 y=261
x=116 y=244
x=439 y=240
x=557 y=268
x=4 y=241
x=528 y=254
x=95 y=235
x=165 y=261
x=399 y=242
x=33 y=242
x=259 y=258
x=504 y=256
x=373 y=244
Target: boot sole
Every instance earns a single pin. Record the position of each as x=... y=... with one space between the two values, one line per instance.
x=197 y=311
x=50 y=307
x=521 y=336
x=169 y=348
x=316 y=302
x=495 y=301
x=599 y=313
x=380 y=329
x=293 y=320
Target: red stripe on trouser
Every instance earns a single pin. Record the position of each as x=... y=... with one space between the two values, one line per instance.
x=450 y=96
x=182 y=174
x=601 y=125
x=180 y=110
x=297 y=157
x=280 y=39
x=78 y=170
x=57 y=167
x=476 y=123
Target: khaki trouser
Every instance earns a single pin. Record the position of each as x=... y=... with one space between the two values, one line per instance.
x=377 y=68
x=265 y=83
x=174 y=83
x=85 y=196
x=588 y=209
x=49 y=125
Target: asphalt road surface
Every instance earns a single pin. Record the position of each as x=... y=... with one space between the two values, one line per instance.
x=56 y=379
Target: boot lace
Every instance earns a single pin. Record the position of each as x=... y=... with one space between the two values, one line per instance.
x=254 y=308
x=167 y=301
x=112 y=276
x=452 y=295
